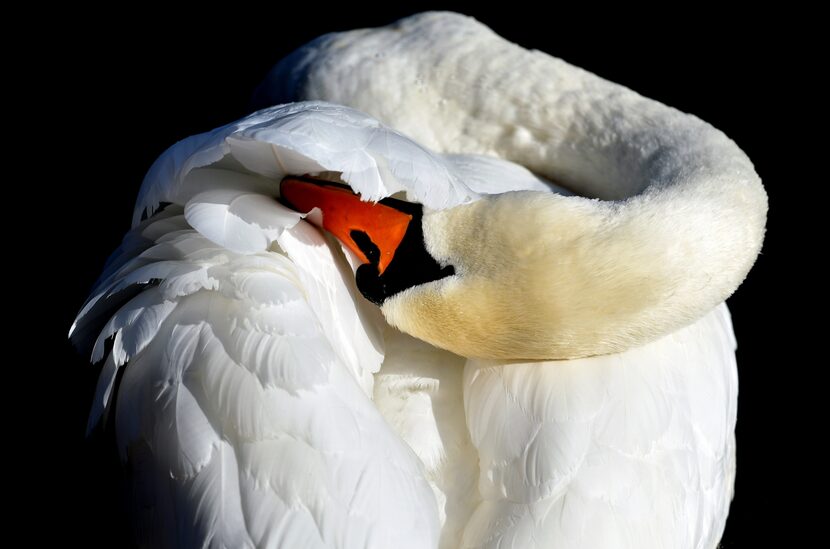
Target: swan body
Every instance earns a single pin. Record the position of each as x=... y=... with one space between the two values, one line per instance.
x=265 y=403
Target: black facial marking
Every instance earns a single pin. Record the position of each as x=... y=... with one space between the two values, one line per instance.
x=369 y=249
x=411 y=265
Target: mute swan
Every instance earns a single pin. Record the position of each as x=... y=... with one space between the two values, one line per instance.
x=265 y=403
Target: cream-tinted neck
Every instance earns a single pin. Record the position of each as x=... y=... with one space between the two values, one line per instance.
x=543 y=276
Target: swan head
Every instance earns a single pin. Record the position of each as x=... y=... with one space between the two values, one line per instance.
x=385 y=236
x=520 y=275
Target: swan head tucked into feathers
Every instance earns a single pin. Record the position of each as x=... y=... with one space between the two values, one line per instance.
x=501 y=266
x=519 y=275
x=492 y=279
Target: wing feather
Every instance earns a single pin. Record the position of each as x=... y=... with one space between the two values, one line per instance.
x=311 y=137
x=243 y=412
x=628 y=450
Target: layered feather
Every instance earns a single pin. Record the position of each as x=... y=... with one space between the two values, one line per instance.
x=241 y=416
x=313 y=137
x=632 y=450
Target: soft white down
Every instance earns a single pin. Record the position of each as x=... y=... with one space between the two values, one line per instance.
x=265 y=403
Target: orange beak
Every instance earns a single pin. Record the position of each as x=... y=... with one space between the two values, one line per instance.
x=373 y=231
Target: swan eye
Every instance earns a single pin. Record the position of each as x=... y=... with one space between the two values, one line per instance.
x=369 y=248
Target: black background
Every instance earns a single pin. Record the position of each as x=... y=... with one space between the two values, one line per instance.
x=114 y=90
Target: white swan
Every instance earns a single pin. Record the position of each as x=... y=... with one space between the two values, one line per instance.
x=265 y=403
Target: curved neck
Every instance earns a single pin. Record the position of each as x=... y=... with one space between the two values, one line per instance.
x=678 y=197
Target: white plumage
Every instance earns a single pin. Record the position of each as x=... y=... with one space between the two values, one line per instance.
x=628 y=450
x=265 y=403
x=241 y=409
